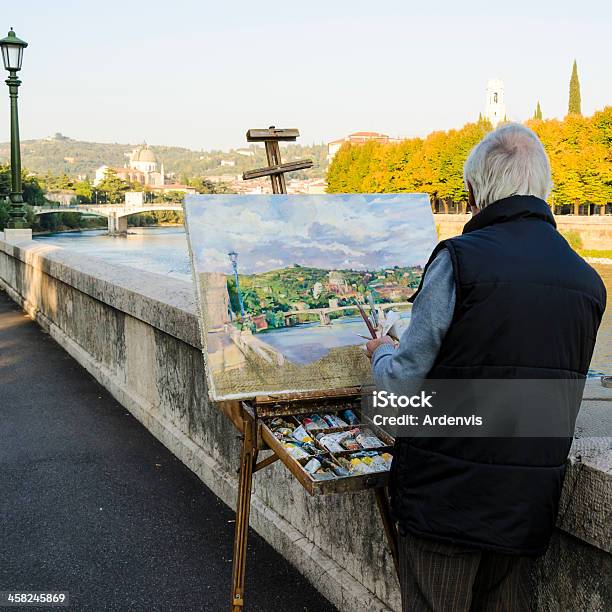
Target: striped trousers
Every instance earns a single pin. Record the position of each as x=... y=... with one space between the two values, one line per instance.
x=443 y=577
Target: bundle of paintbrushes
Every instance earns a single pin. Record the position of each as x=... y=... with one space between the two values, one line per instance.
x=381 y=323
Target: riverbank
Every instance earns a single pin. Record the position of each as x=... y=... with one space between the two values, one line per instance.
x=67 y=231
x=158 y=225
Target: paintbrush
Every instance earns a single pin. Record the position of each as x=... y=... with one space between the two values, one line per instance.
x=366 y=319
x=373 y=311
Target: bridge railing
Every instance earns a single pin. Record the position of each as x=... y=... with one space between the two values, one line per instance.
x=107 y=208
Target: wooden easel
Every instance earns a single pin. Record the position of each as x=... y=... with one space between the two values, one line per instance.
x=276 y=169
x=246 y=416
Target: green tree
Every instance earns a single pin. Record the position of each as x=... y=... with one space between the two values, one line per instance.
x=83 y=191
x=538 y=112
x=575 y=105
x=201 y=184
x=4 y=213
x=112 y=186
x=5 y=181
x=32 y=193
x=57 y=183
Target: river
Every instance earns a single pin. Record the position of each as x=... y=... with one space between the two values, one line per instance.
x=164 y=250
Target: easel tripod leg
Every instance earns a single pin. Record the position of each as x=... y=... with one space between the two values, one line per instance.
x=243 y=508
x=390 y=529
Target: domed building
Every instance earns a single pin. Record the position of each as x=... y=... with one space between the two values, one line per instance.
x=143 y=159
x=142 y=167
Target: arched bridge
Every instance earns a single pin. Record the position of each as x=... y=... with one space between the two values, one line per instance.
x=116 y=214
x=323 y=313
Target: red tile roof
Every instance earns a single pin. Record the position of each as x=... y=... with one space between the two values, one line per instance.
x=361 y=136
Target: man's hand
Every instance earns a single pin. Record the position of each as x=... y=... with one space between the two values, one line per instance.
x=372 y=345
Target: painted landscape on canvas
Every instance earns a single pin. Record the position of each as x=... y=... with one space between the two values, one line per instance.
x=279 y=279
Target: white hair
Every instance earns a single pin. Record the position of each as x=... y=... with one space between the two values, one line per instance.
x=508 y=161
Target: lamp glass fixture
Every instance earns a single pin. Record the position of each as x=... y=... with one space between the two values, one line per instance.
x=12 y=51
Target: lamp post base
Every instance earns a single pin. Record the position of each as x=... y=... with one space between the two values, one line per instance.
x=14 y=235
x=17 y=224
x=17 y=211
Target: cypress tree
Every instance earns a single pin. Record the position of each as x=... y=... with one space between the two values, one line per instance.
x=538 y=112
x=574 y=106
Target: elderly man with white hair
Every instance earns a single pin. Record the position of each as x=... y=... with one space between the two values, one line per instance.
x=507 y=300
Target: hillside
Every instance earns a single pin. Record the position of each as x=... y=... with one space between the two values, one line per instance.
x=276 y=292
x=62 y=155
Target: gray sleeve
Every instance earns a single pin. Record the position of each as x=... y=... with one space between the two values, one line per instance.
x=395 y=369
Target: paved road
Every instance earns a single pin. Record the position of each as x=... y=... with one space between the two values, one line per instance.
x=92 y=504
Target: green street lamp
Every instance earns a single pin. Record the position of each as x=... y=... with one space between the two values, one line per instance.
x=234 y=261
x=12 y=54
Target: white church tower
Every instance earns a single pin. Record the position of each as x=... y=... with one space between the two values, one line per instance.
x=495 y=110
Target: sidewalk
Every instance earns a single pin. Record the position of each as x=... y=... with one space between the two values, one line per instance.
x=93 y=504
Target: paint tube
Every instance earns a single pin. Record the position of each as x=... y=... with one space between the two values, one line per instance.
x=329 y=419
x=338 y=470
x=345 y=463
x=319 y=422
x=314 y=421
x=350 y=417
x=375 y=463
x=330 y=442
x=359 y=467
x=310 y=448
x=367 y=439
x=333 y=420
x=312 y=466
x=295 y=451
x=380 y=463
x=387 y=458
x=348 y=441
x=278 y=422
x=301 y=435
x=365 y=453
x=283 y=432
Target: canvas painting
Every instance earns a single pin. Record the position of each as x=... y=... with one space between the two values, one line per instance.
x=279 y=279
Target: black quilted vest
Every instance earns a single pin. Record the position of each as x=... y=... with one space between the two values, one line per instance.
x=527 y=307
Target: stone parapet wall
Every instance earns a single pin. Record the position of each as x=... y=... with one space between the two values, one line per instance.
x=137 y=333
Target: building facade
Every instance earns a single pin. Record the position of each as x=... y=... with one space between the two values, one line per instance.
x=143 y=168
x=495 y=109
x=356 y=138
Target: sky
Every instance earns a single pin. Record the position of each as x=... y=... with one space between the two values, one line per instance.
x=198 y=74
x=333 y=232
